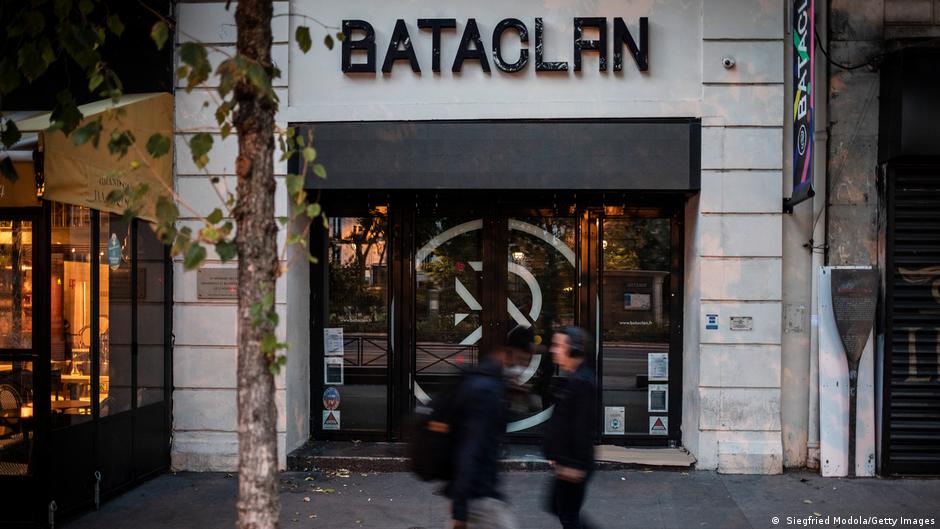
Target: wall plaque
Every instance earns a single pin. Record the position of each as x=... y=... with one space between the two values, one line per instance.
x=217 y=283
x=854 y=297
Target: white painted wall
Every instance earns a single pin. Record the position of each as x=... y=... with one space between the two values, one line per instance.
x=731 y=380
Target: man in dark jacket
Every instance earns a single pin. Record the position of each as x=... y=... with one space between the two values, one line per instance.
x=569 y=439
x=476 y=500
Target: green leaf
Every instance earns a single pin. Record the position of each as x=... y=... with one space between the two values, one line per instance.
x=31 y=62
x=319 y=170
x=340 y=36
x=194 y=54
x=215 y=217
x=45 y=49
x=282 y=220
x=269 y=343
x=302 y=35
x=310 y=154
x=313 y=210
x=115 y=25
x=200 y=145
x=295 y=184
x=34 y=22
x=65 y=114
x=227 y=250
x=328 y=41
x=91 y=131
x=166 y=211
x=115 y=196
x=10 y=135
x=259 y=78
x=86 y=7
x=95 y=81
x=62 y=8
x=8 y=170
x=194 y=256
x=158 y=145
x=159 y=33
x=226 y=130
x=120 y=142
x=9 y=75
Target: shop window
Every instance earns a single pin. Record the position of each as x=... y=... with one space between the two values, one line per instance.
x=115 y=314
x=358 y=308
x=71 y=316
x=151 y=279
x=16 y=284
x=635 y=328
x=17 y=425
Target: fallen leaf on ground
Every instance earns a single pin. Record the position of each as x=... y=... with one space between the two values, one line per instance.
x=306 y=498
x=807 y=501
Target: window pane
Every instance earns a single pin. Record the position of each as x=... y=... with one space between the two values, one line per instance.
x=115 y=314
x=16 y=284
x=16 y=417
x=71 y=314
x=358 y=268
x=635 y=316
x=150 y=320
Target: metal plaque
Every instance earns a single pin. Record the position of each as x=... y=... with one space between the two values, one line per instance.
x=742 y=323
x=217 y=283
x=854 y=298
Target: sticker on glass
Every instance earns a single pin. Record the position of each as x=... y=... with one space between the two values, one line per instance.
x=330 y=420
x=331 y=398
x=657 y=366
x=659 y=425
x=333 y=370
x=658 y=397
x=333 y=341
x=613 y=420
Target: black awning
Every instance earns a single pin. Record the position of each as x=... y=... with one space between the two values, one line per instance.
x=662 y=155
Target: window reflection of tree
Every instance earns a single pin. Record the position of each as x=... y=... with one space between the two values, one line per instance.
x=357 y=273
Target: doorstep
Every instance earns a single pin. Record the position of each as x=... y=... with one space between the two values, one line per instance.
x=364 y=456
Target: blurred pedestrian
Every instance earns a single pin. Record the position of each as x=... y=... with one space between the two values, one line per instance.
x=476 y=502
x=569 y=438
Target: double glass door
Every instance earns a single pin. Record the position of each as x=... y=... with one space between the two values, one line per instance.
x=412 y=293
x=476 y=278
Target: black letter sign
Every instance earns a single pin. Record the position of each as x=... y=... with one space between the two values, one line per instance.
x=471 y=34
x=540 y=65
x=366 y=44
x=517 y=25
x=436 y=25
x=400 y=37
x=599 y=45
x=622 y=36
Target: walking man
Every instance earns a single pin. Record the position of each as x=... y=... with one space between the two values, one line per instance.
x=476 y=502
x=569 y=441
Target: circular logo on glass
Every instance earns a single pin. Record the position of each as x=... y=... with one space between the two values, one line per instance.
x=531 y=408
x=331 y=398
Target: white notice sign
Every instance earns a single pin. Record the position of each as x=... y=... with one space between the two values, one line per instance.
x=333 y=341
x=659 y=425
x=657 y=366
x=333 y=371
x=331 y=419
x=658 y=398
x=613 y=420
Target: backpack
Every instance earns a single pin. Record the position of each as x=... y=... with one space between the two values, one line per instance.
x=433 y=441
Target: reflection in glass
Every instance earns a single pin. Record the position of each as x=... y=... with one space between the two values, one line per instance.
x=541 y=291
x=114 y=305
x=71 y=327
x=16 y=284
x=358 y=304
x=448 y=296
x=635 y=312
x=150 y=316
x=16 y=417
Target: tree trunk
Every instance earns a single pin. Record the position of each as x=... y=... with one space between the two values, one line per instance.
x=258 y=506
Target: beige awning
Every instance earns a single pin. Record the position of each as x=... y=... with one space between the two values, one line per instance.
x=85 y=175
x=22 y=192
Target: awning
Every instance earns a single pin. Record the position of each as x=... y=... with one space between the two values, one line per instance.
x=85 y=175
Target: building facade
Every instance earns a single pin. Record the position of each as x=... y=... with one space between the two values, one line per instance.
x=631 y=184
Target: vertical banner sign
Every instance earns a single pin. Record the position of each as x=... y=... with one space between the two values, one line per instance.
x=804 y=65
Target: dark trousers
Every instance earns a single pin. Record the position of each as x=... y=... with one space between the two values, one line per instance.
x=567 y=498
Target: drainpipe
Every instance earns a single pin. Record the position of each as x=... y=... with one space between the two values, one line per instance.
x=820 y=241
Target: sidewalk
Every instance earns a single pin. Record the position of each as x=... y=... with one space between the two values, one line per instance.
x=617 y=499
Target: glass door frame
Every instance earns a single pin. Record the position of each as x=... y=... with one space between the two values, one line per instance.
x=29 y=490
x=405 y=206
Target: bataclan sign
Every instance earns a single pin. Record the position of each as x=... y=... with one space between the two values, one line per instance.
x=360 y=39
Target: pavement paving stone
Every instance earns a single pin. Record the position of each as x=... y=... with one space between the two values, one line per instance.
x=616 y=499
